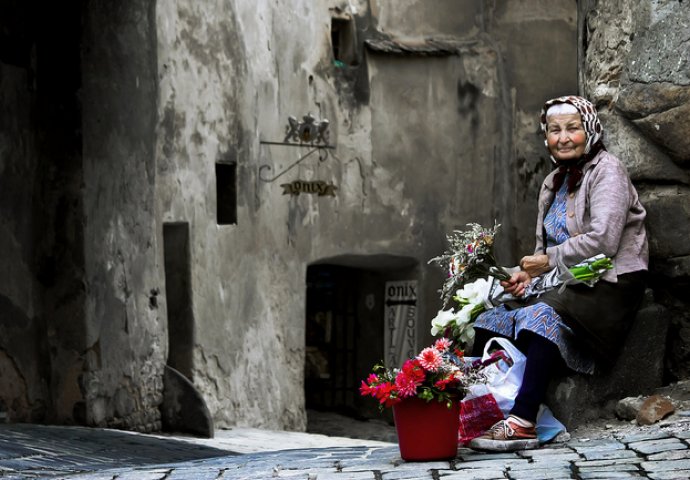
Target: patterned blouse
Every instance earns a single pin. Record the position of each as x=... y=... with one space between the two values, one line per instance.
x=541 y=318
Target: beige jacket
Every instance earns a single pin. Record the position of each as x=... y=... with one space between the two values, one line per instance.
x=604 y=215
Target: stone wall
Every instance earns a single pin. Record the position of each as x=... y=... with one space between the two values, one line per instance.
x=635 y=67
x=125 y=338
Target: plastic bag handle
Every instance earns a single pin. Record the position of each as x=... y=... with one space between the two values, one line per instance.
x=509 y=348
x=493 y=358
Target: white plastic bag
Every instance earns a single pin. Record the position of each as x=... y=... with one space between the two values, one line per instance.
x=504 y=379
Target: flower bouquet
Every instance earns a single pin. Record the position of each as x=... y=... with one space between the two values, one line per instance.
x=424 y=395
x=470 y=256
x=456 y=323
x=473 y=280
x=438 y=373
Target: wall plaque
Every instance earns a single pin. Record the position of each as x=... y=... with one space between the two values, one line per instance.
x=314 y=187
x=400 y=330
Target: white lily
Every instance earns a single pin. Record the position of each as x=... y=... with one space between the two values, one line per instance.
x=476 y=292
x=464 y=316
x=442 y=320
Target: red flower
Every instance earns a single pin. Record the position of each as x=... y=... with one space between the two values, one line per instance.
x=383 y=393
x=365 y=389
x=413 y=368
x=441 y=384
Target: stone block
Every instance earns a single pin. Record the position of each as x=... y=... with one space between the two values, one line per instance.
x=576 y=399
x=654 y=409
x=668 y=222
x=651 y=447
x=629 y=407
x=660 y=111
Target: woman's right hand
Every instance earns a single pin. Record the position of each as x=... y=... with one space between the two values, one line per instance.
x=517 y=283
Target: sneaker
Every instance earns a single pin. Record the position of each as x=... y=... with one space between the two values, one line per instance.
x=506 y=436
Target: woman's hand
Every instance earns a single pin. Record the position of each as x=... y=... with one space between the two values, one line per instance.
x=517 y=283
x=535 y=265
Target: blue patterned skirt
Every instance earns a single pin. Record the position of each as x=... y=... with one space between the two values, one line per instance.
x=543 y=320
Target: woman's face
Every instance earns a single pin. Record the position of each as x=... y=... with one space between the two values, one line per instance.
x=565 y=136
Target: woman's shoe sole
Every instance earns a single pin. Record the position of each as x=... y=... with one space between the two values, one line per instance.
x=503 y=445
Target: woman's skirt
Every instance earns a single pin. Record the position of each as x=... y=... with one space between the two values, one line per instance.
x=586 y=323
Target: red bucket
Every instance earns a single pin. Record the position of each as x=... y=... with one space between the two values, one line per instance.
x=426 y=430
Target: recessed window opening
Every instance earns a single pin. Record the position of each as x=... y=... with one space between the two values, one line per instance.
x=343 y=40
x=226 y=193
x=178 y=294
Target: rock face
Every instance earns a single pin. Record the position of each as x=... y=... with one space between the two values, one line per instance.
x=636 y=68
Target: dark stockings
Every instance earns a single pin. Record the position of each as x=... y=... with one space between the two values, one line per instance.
x=543 y=362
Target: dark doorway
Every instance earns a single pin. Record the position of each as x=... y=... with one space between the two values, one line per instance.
x=178 y=293
x=345 y=329
x=332 y=330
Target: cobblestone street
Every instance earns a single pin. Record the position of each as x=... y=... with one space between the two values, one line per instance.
x=613 y=450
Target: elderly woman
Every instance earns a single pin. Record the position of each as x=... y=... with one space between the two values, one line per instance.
x=587 y=206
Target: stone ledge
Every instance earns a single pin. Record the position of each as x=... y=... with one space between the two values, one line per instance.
x=576 y=399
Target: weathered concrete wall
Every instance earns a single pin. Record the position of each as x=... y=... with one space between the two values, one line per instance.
x=412 y=19
x=125 y=341
x=635 y=67
x=219 y=67
x=538 y=44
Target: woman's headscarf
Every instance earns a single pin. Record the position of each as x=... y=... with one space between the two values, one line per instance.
x=593 y=129
x=588 y=112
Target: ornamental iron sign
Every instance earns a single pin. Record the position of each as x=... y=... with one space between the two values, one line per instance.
x=309 y=132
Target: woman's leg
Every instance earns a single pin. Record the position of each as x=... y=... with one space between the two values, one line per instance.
x=543 y=362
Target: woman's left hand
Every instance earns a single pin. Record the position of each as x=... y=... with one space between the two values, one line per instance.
x=535 y=265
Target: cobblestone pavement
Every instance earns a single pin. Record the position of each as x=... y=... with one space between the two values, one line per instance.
x=612 y=451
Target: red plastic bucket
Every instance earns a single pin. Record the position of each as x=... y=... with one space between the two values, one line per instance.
x=426 y=430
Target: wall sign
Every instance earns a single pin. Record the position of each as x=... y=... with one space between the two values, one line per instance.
x=400 y=336
x=309 y=132
x=318 y=187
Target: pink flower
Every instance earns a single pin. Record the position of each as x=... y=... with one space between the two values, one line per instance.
x=430 y=359
x=406 y=385
x=442 y=344
x=409 y=378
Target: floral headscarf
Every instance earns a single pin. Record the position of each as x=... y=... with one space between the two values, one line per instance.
x=588 y=112
x=594 y=131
